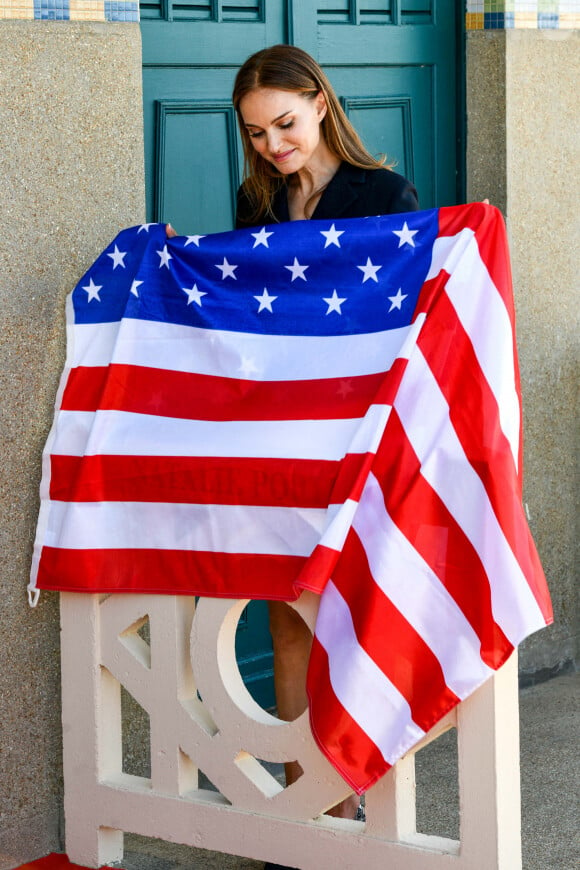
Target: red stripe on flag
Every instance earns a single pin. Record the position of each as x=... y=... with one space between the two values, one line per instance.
x=391 y=379
x=352 y=476
x=193 y=480
x=339 y=736
x=474 y=413
x=180 y=571
x=421 y=516
x=188 y=396
x=206 y=480
x=487 y=223
x=394 y=645
x=317 y=569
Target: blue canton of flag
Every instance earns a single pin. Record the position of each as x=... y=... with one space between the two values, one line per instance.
x=368 y=279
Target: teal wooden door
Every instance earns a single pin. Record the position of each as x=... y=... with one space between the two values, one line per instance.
x=395 y=66
x=191 y=52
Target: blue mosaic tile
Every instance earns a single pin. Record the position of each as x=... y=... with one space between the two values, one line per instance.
x=494 y=20
x=52 y=10
x=548 y=20
x=121 y=10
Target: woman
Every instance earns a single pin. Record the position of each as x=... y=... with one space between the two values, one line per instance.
x=303 y=159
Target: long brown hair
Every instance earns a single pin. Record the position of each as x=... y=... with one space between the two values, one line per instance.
x=288 y=68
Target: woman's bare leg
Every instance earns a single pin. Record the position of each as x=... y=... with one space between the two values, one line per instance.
x=292 y=642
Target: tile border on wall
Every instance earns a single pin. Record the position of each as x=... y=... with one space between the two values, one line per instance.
x=523 y=14
x=70 y=10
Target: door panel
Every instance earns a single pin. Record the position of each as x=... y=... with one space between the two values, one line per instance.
x=394 y=65
x=386 y=122
x=394 y=119
x=206 y=174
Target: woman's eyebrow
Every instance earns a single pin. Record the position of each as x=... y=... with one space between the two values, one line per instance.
x=249 y=124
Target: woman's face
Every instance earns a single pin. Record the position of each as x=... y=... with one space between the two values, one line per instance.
x=284 y=127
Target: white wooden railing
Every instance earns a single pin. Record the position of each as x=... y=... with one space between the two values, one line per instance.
x=190 y=656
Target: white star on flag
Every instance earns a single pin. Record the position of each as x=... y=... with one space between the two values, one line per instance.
x=262 y=238
x=193 y=240
x=369 y=271
x=397 y=300
x=134 y=288
x=332 y=235
x=117 y=257
x=93 y=290
x=144 y=227
x=297 y=270
x=406 y=235
x=194 y=295
x=334 y=302
x=265 y=300
x=227 y=270
x=165 y=257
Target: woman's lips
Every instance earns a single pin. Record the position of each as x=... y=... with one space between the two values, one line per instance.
x=283 y=155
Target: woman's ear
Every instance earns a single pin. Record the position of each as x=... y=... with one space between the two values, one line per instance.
x=321 y=107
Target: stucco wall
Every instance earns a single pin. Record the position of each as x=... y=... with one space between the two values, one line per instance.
x=71 y=175
x=523 y=153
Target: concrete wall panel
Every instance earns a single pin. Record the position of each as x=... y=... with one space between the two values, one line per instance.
x=71 y=175
x=543 y=190
x=523 y=153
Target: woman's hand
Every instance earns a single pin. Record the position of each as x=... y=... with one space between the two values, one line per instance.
x=171 y=234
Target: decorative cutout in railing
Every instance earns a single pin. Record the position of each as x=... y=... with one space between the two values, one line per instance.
x=203 y=719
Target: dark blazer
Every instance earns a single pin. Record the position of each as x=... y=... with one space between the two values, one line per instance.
x=351 y=193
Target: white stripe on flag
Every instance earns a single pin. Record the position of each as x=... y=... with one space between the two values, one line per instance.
x=366 y=440
x=90 y=344
x=230 y=354
x=339 y=519
x=446 y=468
x=416 y=591
x=370 y=430
x=210 y=528
x=469 y=288
x=121 y=433
x=359 y=684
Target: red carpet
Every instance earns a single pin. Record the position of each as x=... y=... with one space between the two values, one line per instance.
x=52 y=862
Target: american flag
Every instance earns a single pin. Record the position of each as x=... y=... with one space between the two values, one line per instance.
x=331 y=406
